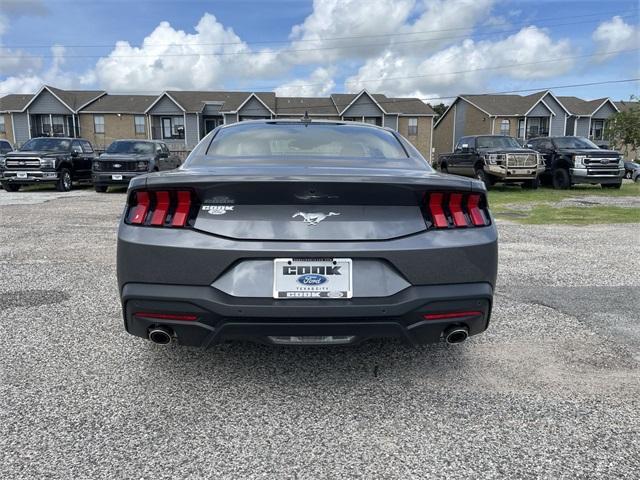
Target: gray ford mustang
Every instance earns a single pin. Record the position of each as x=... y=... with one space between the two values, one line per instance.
x=305 y=232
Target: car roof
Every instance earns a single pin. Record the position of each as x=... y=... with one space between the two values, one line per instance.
x=309 y=121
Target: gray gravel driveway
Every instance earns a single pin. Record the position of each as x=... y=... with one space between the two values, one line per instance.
x=551 y=390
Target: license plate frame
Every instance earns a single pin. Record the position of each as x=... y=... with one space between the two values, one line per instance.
x=329 y=286
x=22 y=175
x=116 y=177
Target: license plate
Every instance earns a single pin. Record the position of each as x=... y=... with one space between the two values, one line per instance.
x=22 y=175
x=116 y=177
x=312 y=278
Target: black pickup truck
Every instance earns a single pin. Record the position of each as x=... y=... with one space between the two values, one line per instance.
x=56 y=160
x=493 y=158
x=571 y=160
x=126 y=159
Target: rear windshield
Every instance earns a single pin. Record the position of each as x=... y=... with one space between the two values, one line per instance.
x=497 y=142
x=46 y=145
x=574 y=142
x=131 y=147
x=317 y=141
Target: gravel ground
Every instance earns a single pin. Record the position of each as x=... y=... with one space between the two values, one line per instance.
x=551 y=390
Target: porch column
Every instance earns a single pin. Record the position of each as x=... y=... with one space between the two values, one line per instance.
x=525 y=129
x=184 y=116
x=50 y=125
x=148 y=126
x=73 y=117
x=28 y=123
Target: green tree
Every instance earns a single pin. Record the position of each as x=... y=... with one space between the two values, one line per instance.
x=623 y=128
x=439 y=109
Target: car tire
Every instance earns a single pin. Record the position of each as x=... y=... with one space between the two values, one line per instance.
x=9 y=187
x=65 y=182
x=100 y=188
x=532 y=184
x=484 y=178
x=561 y=179
x=611 y=185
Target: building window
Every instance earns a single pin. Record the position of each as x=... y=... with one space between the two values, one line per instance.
x=412 y=127
x=373 y=120
x=3 y=128
x=98 y=124
x=139 y=124
x=537 y=127
x=521 y=128
x=58 y=125
x=172 y=127
x=597 y=130
x=505 y=126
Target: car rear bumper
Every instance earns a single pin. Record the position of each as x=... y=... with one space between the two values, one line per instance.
x=217 y=317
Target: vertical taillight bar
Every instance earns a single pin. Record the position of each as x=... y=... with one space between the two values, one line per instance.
x=455 y=207
x=182 y=209
x=161 y=209
x=473 y=207
x=437 y=213
x=143 y=201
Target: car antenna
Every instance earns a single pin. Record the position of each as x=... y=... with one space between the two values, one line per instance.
x=306 y=119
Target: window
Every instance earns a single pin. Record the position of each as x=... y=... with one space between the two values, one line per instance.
x=5 y=147
x=597 y=130
x=497 y=142
x=464 y=141
x=140 y=126
x=45 y=122
x=412 y=128
x=505 y=127
x=327 y=144
x=537 y=127
x=58 y=124
x=3 y=128
x=75 y=147
x=46 y=145
x=86 y=146
x=98 y=123
x=373 y=121
x=521 y=128
x=127 y=146
x=172 y=127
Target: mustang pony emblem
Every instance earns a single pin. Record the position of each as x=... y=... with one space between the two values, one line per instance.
x=313 y=218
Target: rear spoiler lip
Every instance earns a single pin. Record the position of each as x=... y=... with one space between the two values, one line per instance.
x=195 y=179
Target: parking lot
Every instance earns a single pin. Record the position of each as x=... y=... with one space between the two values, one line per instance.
x=551 y=390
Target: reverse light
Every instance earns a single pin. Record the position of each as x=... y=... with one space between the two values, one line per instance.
x=160 y=208
x=456 y=210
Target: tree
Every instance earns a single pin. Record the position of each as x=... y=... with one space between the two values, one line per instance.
x=439 y=109
x=623 y=128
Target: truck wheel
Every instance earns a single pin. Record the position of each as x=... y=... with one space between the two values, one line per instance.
x=64 y=183
x=532 y=184
x=9 y=187
x=611 y=185
x=561 y=179
x=100 y=188
x=484 y=178
x=444 y=169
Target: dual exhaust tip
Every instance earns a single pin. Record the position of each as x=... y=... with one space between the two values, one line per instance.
x=456 y=334
x=452 y=335
x=160 y=335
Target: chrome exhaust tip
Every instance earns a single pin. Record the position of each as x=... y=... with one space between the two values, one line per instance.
x=456 y=334
x=160 y=336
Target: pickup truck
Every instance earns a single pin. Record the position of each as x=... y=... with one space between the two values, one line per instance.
x=493 y=158
x=56 y=160
x=126 y=159
x=572 y=160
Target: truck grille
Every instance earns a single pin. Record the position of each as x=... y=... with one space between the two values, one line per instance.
x=522 y=160
x=601 y=163
x=22 y=163
x=118 y=166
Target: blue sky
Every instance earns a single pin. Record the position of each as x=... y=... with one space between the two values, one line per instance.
x=424 y=48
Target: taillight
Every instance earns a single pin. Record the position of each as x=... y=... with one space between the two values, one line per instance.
x=456 y=210
x=161 y=208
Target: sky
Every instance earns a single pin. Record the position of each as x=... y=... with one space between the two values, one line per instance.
x=430 y=49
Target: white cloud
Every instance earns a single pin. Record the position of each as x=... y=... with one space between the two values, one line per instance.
x=319 y=83
x=466 y=66
x=614 y=35
x=173 y=59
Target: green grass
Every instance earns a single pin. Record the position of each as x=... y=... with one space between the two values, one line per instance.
x=536 y=206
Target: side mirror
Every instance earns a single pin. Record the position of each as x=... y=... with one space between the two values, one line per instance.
x=74 y=153
x=464 y=148
x=163 y=155
x=528 y=145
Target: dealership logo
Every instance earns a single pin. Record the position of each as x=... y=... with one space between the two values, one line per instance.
x=116 y=165
x=217 y=209
x=313 y=218
x=308 y=270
